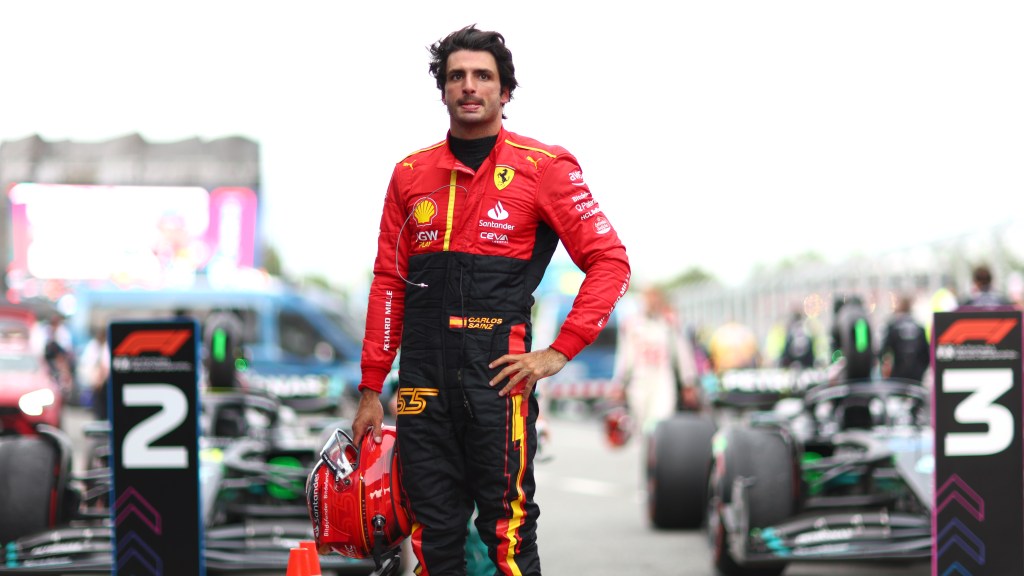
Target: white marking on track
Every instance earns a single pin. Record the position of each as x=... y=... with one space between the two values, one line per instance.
x=589 y=487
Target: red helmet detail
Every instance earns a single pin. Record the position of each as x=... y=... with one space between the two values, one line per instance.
x=618 y=426
x=355 y=496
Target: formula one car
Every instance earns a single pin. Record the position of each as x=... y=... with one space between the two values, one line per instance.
x=845 y=473
x=29 y=395
x=679 y=449
x=254 y=458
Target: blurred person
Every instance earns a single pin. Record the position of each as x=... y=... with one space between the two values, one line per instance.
x=942 y=300
x=774 y=342
x=701 y=357
x=468 y=227
x=94 y=371
x=905 y=352
x=655 y=363
x=853 y=356
x=1015 y=288
x=58 y=354
x=798 y=349
x=983 y=295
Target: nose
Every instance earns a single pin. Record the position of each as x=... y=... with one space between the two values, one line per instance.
x=468 y=85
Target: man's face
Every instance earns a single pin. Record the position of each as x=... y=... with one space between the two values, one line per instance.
x=473 y=94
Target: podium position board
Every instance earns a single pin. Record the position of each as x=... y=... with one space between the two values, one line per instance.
x=978 y=525
x=155 y=448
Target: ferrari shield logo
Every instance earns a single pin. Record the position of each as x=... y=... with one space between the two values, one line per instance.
x=503 y=176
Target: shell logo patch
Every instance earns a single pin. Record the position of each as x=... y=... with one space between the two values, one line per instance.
x=503 y=176
x=424 y=211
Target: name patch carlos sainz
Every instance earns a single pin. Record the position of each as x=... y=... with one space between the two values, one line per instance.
x=474 y=322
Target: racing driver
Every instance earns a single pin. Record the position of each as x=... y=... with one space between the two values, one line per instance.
x=468 y=227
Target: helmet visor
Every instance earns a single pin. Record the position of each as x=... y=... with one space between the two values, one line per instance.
x=340 y=455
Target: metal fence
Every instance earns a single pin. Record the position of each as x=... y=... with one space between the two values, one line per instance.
x=769 y=297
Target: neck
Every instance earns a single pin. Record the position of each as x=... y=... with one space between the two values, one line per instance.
x=471 y=152
x=473 y=132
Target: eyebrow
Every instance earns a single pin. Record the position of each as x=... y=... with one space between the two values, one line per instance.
x=472 y=70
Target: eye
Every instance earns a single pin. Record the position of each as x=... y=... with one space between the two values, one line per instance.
x=455 y=76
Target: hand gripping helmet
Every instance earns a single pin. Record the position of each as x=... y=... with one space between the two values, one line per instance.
x=618 y=426
x=355 y=496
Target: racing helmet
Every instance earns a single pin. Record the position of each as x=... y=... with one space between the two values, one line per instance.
x=355 y=497
x=618 y=426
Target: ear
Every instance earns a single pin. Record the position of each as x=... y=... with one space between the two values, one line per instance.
x=505 y=96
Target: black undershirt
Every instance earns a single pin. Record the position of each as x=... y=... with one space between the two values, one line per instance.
x=472 y=152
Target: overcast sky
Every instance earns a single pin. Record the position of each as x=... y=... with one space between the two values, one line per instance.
x=715 y=134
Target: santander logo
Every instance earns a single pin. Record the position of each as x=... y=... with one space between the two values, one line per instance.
x=498 y=212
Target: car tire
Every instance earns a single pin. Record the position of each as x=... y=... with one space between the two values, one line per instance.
x=27 y=483
x=765 y=457
x=678 y=459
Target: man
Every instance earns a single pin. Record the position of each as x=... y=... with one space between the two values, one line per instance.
x=58 y=354
x=905 y=352
x=655 y=363
x=94 y=371
x=468 y=227
x=851 y=340
x=798 y=350
x=982 y=295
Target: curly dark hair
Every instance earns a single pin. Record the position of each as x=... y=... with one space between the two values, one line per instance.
x=470 y=38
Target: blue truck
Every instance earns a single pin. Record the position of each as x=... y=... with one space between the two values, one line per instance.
x=304 y=350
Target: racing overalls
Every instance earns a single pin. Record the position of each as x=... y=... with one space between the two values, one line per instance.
x=906 y=340
x=459 y=255
x=655 y=362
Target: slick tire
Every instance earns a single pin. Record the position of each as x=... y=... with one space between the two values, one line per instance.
x=27 y=482
x=765 y=459
x=678 y=460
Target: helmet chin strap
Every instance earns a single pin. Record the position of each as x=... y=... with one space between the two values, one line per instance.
x=386 y=561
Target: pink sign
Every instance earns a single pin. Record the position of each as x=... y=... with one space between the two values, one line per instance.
x=154 y=236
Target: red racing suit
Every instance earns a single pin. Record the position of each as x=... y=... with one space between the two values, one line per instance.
x=459 y=256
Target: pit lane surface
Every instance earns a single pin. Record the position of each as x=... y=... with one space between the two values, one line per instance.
x=593 y=522
x=592 y=518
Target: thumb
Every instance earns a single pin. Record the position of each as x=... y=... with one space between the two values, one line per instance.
x=378 y=436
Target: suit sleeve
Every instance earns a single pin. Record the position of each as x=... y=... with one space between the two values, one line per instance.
x=386 y=306
x=594 y=246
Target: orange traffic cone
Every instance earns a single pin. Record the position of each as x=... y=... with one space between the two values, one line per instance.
x=312 y=556
x=298 y=563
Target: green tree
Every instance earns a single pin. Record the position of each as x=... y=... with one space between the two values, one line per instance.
x=272 y=261
x=693 y=275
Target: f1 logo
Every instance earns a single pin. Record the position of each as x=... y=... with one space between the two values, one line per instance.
x=990 y=330
x=163 y=342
